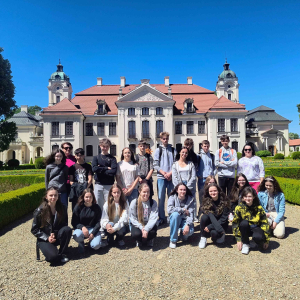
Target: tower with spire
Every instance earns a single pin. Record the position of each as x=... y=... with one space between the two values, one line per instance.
x=227 y=84
x=59 y=86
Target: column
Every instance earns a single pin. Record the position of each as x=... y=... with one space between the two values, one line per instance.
x=266 y=143
x=281 y=148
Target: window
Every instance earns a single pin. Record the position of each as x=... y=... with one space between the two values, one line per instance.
x=178 y=147
x=132 y=147
x=57 y=99
x=221 y=125
x=68 y=128
x=229 y=96
x=189 y=107
x=145 y=111
x=234 y=125
x=113 y=150
x=201 y=126
x=190 y=127
x=54 y=147
x=235 y=146
x=159 y=127
x=131 y=129
x=100 y=109
x=159 y=111
x=178 y=127
x=131 y=111
x=200 y=146
x=112 y=128
x=145 y=129
x=89 y=150
x=89 y=129
x=55 y=128
x=101 y=129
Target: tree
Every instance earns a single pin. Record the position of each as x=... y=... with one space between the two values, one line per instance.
x=293 y=136
x=8 y=130
x=31 y=109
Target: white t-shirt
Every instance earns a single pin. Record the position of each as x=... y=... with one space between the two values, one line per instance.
x=128 y=172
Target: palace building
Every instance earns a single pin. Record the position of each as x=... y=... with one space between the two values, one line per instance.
x=126 y=113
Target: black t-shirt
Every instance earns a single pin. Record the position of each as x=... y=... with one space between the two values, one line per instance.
x=81 y=172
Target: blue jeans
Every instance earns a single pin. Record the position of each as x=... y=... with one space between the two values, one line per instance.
x=178 y=221
x=162 y=186
x=78 y=236
x=64 y=199
x=133 y=195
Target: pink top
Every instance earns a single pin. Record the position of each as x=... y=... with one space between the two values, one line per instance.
x=71 y=160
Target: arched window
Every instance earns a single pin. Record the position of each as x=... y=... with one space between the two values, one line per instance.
x=145 y=111
x=89 y=150
x=235 y=146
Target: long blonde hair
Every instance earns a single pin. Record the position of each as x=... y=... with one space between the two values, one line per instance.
x=111 y=207
x=140 y=209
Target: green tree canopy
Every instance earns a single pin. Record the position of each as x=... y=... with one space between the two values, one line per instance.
x=293 y=136
x=31 y=109
x=8 y=130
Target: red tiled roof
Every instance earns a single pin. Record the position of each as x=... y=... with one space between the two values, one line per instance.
x=295 y=142
x=63 y=106
x=224 y=103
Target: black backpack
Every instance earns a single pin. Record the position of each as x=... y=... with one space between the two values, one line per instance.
x=160 y=153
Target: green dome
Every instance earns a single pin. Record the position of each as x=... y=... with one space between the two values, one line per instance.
x=59 y=76
x=227 y=74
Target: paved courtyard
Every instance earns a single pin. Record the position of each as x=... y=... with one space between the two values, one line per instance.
x=159 y=273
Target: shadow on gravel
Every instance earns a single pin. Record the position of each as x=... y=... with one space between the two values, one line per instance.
x=289 y=231
x=272 y=246
x=16 y=223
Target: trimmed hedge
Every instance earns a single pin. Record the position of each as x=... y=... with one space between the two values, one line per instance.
x=18 y=203
x=279 y=156
x=239 y=155
x=24 y=179
x=40 y=163
x=13 y=163
x=291 y=189
x=20 y=167
x=292 y=173
x=263 y=153
x=296 y=155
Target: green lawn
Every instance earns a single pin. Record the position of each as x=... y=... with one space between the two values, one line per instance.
x=281 y=163
x=22 y=172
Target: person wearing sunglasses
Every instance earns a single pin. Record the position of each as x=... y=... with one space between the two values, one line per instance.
x=251 y=166
x=70 y=160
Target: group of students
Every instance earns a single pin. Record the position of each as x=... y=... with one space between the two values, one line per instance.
x=121 y=199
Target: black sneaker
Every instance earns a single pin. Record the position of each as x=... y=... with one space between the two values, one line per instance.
x=64 y=258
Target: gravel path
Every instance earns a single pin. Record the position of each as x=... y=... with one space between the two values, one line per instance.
x=159 y=273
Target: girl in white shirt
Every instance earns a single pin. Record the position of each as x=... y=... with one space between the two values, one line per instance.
x=128 y=174
x=114 y=220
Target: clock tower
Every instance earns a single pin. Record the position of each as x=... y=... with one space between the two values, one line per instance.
x=59 y=86
x=227 y=84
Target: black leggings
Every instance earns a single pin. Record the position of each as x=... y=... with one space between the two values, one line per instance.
x=50 y=251
x=213 y=233
x=136 y=233
x=226 y=184
x=119 y=234
x=258 y=235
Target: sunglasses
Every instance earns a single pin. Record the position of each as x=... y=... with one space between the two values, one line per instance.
x=248 y=150
x=66 y=148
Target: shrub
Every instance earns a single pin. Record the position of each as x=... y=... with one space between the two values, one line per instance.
x=296 y=155
x=279 y=156
x=16 y=204
x=263 y=153
x=23 y=179
x=20 y=167
x=239 y=155
x=293 y=173
x=40 y=163
x=291 y=189
x=13 y=163
x=31 y=162
x=297 y=148
x=1 y=164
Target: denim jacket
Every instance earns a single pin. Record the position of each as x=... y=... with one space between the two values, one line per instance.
x=279 y=202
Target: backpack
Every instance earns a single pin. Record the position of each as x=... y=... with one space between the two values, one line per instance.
x=160 y=153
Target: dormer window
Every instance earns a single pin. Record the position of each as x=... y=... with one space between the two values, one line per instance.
x=189 y=106
x=101 y=110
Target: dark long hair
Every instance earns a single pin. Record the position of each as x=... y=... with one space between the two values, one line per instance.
x=111 y=208
x=175 y=190
x=208 y=202
x=235 y=191
x=46 y=210
x=252 y=148
x=132 y=158
x=177 y=157
x=50 y=159
x=277 y=188
x=250 y=190
x=81 y=198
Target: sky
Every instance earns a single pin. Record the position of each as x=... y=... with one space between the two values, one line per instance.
x=154 y=39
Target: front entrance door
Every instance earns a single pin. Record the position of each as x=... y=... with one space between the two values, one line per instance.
x=271 y=149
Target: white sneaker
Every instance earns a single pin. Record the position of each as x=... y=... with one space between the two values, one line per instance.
x=203 y=242
x=137 y=244
x=221 y=240
x=196 y=220
x=245 y=249
x=172 y=245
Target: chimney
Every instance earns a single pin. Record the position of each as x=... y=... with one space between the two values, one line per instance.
x=99 y=81
x=24 y=108
x=123 y=82
x=167 y=81
x=190 y=80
